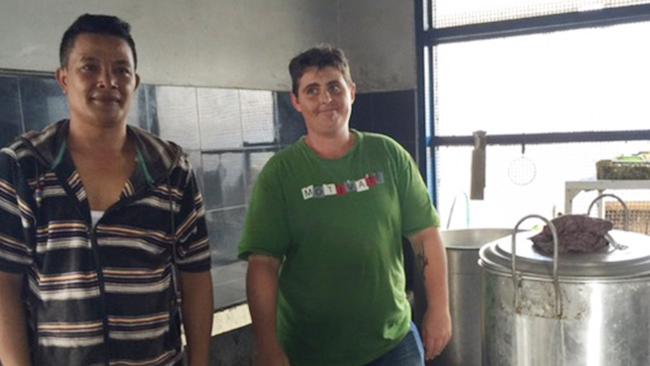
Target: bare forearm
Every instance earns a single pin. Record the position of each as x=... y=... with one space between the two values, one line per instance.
x=262 y=293
x=14 y=350
x=432 y=266
x=197 y=307
x=436 y=323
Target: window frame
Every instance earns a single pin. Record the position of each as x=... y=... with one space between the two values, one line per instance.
x=428 y=37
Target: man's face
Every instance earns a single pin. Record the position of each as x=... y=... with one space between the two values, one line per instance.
x=99 y=79
x=324 y=100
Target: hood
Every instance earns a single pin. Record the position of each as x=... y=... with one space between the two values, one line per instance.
x=156 y=157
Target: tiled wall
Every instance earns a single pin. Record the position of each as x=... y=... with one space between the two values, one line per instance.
x=229 y=135
x=391 y=113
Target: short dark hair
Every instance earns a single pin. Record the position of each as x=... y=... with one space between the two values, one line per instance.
x=96 y=24
x=319 y=57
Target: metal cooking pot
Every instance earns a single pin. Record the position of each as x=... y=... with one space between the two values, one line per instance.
x=575 y=310
x=464 y=276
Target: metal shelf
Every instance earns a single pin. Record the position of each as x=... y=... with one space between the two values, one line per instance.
x=573 y=188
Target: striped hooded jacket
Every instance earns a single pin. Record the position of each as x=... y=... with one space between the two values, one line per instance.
x=102 y=295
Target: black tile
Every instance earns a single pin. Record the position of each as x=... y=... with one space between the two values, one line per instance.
x=227 y=295
x=410 y=146
x=224 y=229
x=290 y=124
x=226 y=272
x=233 y=179
x=223 y=176
x=229 y=283
x=394 y=114
x=138 y=113
x=42 y=101
x=219 y=118
x=257 y=116
x=197 y=166
x=362 y=117
x=149 y=109
x=11 y=122
x=254 y=164
x=212 y=191
x=177 y=114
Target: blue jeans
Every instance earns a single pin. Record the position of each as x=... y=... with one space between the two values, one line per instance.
x=409 y=352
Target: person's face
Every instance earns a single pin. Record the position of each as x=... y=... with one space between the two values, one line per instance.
x=99 y=79
x=325 y=101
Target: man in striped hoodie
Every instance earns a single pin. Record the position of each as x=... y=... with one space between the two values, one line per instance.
x=102 y=228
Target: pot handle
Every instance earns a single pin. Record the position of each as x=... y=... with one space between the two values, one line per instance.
x=626 y=211
x=516 y=277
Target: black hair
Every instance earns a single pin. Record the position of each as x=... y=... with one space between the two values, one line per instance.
x=95 y=24
x=319 y=57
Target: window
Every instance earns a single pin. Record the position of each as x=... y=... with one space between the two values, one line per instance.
x=577 y=67
x=447 y=13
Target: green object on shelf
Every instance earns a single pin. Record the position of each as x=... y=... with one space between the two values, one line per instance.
x=635 y=166
x=636 y=158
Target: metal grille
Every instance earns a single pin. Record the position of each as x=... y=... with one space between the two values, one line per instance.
x=639 y=215
x=448 y=13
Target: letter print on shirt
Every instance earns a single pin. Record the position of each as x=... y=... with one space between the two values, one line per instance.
x=308 y=192
x=368 y=182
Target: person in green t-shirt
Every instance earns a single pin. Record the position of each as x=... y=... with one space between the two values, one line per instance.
x=323 y=238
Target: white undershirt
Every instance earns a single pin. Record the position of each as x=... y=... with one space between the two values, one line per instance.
x=95 y=216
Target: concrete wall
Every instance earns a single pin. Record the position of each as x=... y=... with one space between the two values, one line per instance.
x=379 y=38
x=225 y=43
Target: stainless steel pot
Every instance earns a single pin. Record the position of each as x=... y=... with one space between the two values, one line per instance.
x=578 y=310
x=464 y=274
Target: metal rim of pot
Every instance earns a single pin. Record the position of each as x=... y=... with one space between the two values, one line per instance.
x=516 y=278
x=613 y=263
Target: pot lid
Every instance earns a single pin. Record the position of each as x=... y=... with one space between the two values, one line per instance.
x=630 y=258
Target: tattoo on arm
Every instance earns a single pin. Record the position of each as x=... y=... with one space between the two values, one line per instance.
x=421 y=261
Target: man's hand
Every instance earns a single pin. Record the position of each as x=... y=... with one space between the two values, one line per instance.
x=436 y=331
x=13 y=328
x=197 y=310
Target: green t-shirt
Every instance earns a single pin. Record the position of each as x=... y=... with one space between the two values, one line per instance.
x=338 y=226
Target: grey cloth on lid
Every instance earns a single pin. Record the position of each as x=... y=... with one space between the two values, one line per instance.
x=576 y=234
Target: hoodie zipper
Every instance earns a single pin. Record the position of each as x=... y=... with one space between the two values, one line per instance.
x=92 y=233
x=102 y=291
